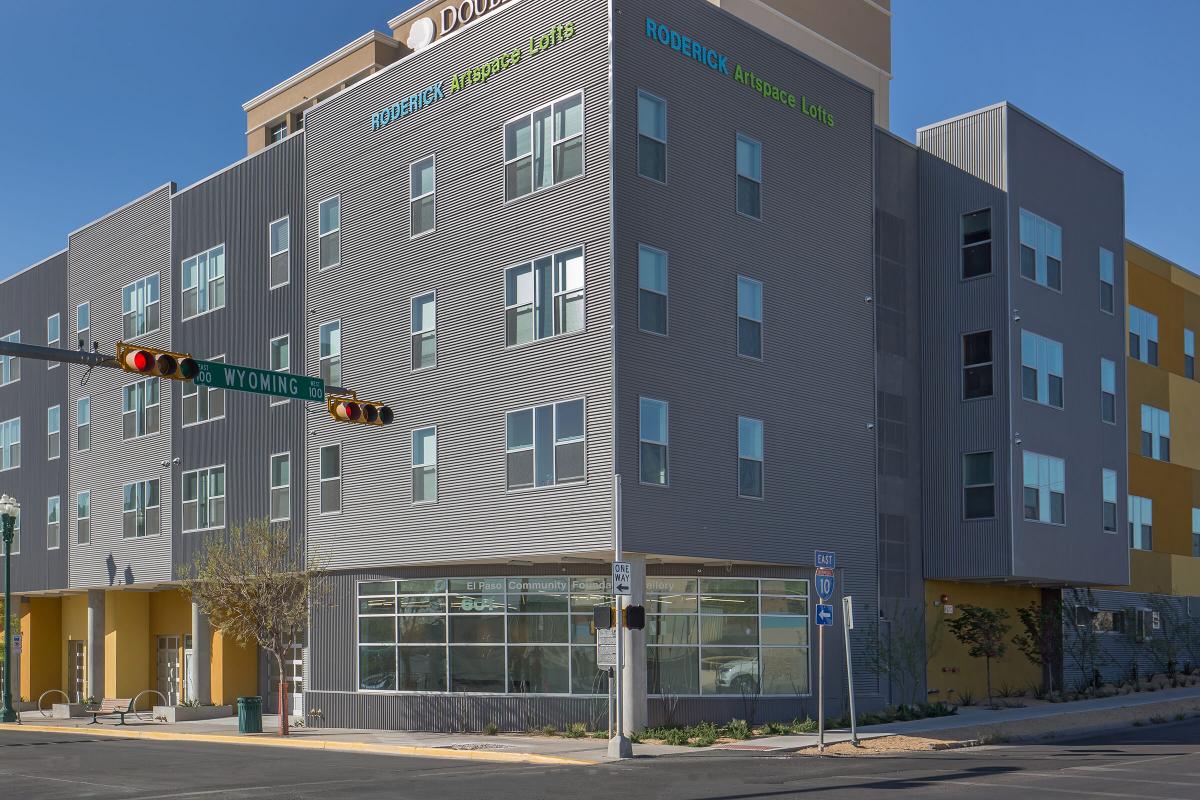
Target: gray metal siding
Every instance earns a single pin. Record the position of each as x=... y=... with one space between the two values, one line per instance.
x=478 y=235
x=126 y=245
x=1120 y=654
x=236 y=208
x=26 y=300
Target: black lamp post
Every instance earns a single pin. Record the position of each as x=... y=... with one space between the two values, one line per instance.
x=8 y=513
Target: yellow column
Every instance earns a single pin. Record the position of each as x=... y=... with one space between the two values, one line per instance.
x=41 y=651
x=126 y=643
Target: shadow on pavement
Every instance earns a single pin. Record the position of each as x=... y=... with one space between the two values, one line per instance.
x=900 y=784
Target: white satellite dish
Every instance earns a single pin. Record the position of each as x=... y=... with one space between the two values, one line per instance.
x=421 y=34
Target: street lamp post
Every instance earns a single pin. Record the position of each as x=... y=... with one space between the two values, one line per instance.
x=8 y=513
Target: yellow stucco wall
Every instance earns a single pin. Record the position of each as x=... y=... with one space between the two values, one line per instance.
x=170 y=615
x=74 y=628
x=126 y=643
x=41 y=653
x=951 y=671
x=234 y=670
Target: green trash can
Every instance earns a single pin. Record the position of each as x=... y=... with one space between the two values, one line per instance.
x=249 y=715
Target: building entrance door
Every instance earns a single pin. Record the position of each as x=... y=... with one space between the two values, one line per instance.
x=76 y=670
x=168 y=668
x=293 y=667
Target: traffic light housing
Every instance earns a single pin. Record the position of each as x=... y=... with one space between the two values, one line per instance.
x=160 y=363
x=635 y=617
x=362 y=412
x=602 y=618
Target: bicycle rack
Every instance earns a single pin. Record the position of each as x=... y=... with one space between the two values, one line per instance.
x=133 y=703
x=51 y=691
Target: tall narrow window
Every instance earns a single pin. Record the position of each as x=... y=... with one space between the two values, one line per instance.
x=422 y=202
x=750 y=317
x=280 y=255
x=204 y=282
x=281 y=487
x=1196 y=533
x=424 y=331
x=652 y=137
x=546 y=445
x=652 y=438
x=10 y=366
x=204 y=499
x=979 y=485
x=1109 y=482
x=330 y=231
x=83 y=518
x=976 y=247
x=83 y=424
x=10 y=443
x=1143 y=336
x=1189 y=353
x=1041 y=370
x=53 y=336
x=1141 y=523
x=53 y=522
x=53 y=432
x=331 y=353
x=83 y=325
x=331 y=479
x=749 y=177
x=977 y=364
x=1108 y=391
x=1041 y=251
x=1156 y=433
x=750 y=457
x=139 y=306
x=203 y=403
x=424 y=465
x=139 y=409
x=1045 y=488
x=140 y=510
x=544 y=298
x=544 y=147
x=652 y=290
x=1107 y=281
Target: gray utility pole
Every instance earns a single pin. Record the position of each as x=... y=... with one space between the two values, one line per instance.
x=9 y=509
x=619 y=745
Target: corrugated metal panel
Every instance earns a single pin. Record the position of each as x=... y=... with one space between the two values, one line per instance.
x=476 y=380
x=26 y=300
x=1120 y=653
x=129 y=244
x=975 y=143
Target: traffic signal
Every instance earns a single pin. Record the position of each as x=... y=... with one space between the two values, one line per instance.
x=635 y=617
x=363 y=412
x=150 y=361
x=602 y=618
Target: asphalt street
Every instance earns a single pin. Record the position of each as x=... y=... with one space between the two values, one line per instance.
x=1151 y=763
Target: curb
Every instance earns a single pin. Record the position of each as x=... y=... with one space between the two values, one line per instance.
x=950 y=745
x=301 y=744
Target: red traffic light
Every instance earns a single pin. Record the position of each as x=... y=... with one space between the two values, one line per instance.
x=139 y=361
x=347 y=410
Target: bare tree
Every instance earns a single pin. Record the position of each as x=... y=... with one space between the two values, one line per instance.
x=903 y=659
x=1173 y=634
x=1082 y=642
x=255 y=587
x=1041 y=639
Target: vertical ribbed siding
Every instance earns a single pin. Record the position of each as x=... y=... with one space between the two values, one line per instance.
x=478 y=235
x=26 y=300
x=128 y=244
x=974 y=142
x=235 y=208
x=1120 y=653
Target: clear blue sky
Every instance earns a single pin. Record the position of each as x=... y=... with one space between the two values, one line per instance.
x=106 y=100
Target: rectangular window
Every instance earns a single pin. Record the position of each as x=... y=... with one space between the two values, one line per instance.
x=139 y=409
x=749 y=177
x=203 y=403
x=83 y=325
x=424 y=465
x=53 y=432
x=53 y=521
x=53 y=336
x=10 y=366
x=977 y=363
x=544 y=147
x=204 y=282
x=281 y=360
x=750 y=317
x=83 y=424
x=1196 y=533
x=652 y=438
x=140 y=511
x=331 y=479
x=280 y=234
x=423 y=309
x=1041 y=251
x=1143 y=336
x=83 y=518
x=1156 y=433
x=1141 y=523
x=750 y=458
x=1107 y=281
x=422 y=202
x=330 y=232
x=1109 y=481
x=544 y=298
x=139 y=307
x=1045 y=488
x=546 y=445
x=1041 y=370
x=652 y=137
x=277 y=133
x=1189 y=353
x=10 y=444
x=979 y=485
x=652 y=290
x=976 y=245
x=331 y=353
x=204 y=499
x=1108 y=391
x=281 y=487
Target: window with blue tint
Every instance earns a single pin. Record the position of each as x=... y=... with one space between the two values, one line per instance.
x=1109 y=481
x=979 y=485
x=544 y=298
x=652 y=439
x=544 y=147
x=1141 y=523
x=83 y=324
x=1143 y=336
x=1045 y=488
x=1196 y=533
x=10 y=366
x=749 y=177
x=330 y=231
x=204 y=282
x=1107 y=281
x=424 y=331
x=1156 y=433
x=750 y=317
x=139 y=306
x=750 y=457
x=280 y=234
x=546 y=445
x=10 y=443
x=330 y=359
x=1189 y=353
x=1041 y=370
x=53 y=432
x=424 y=465
x=422 y=202
x=53 y=336
x=83 y=424
x=1108 y=391
x=140 y=509
x=1041 y=250
x=652 y=137
x=652 y=290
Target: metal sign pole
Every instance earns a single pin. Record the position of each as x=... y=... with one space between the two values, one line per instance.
x=820 y=688
x=619 y=745
x=847 y=624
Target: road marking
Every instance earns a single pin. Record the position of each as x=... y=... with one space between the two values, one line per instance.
x=1050 y=789
x=231 y=789
x=1109 y=777
x=68 y=780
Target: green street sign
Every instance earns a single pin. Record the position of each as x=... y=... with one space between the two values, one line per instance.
x=259 y=381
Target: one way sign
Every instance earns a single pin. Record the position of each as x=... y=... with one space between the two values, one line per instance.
x=621 y=577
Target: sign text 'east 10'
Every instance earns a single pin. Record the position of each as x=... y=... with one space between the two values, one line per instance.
x=825 y=583
x=260 y=381
x=825 y=559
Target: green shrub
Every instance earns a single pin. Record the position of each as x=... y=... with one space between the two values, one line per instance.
x=575 y=730
x=777 y=729
x=703 y=735
x=807 y=725
x=737 y=729
x=966 y=698
x=676 y=736
x=549 y=730
x=491 y=729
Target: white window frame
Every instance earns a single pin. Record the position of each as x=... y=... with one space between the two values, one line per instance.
x=79 y=518
x=272 y=488
x=665 y=444
x=7 y=444
x=1108 y=480
x=322 y=480
x=665 y=294
x=144 y=411
x=762 y=432
x=86 y=400
x=56 y=342
x=54 y=503
x=271 y=252
x=10 y=365
x=144 y=509
x=1156 y=422
x=652 y=137
x=79 y=332
x=191 y=389
x=209 y=282
x=415 y=335
x=424 y=465
x=550 y=304
x=413 y=200
x=762 y=301
x=554 y=444
x=287 y=338
x=55 y=452
x=142 y=284
x=321 y=359
x=1046 y=490
x=554 y=143
x=204 y=474
x=321 y=235
x=1041 y=362
x=738 y=175
x=1141 y=514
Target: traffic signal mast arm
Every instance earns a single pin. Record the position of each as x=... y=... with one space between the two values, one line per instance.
x=89 y=358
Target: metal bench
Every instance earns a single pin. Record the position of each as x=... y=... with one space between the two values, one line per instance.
x=111 y=707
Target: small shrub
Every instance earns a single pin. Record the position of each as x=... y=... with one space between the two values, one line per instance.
x=1180 y=716
x=1037 y=691
x=777 y=729
x=807 y=725
x=549 y=730
x=491 y=729
x=575 y=730
x=1007 y=690
x=1137 y=723
x=1158 y=719
x=676 y=736
x=703 y=735
x=966 y=697
x=737 y=729
x=637 y=737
